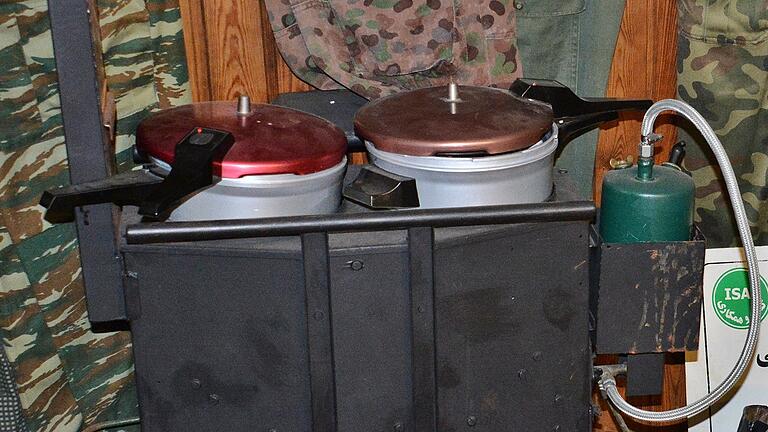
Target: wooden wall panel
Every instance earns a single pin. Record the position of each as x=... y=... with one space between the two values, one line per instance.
x=644 y=66
x=231 y=51
x=196 y=47
x=237 y=59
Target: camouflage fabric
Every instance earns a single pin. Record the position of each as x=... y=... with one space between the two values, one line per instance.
x=67 y=375
x=380 y=47
x=571 y=41
x=723 y=73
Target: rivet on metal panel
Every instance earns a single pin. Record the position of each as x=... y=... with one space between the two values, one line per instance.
x=522 y=374
x=132 y=274
x=319 y=315
x=196 y=383
x=356 y=265
x=214 y=398
x=471 y=420
x=420 y=309
x=558 y=399
x=556 y=428
x=537 y=355
x=398 y=427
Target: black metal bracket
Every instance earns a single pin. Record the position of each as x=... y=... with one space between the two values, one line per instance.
x=646 y=276
x=86 y=142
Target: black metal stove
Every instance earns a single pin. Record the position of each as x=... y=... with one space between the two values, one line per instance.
x=473 y=318
x=397 y=323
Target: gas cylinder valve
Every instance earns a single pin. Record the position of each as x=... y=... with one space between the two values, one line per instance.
x=647 y=143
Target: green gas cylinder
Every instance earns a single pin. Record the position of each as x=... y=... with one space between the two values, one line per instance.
x=648 y=203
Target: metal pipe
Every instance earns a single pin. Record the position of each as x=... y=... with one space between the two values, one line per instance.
x=169 y=232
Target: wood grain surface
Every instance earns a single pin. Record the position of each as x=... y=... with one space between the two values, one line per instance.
x=196 y=47
x=231 y=51
x=644 y=66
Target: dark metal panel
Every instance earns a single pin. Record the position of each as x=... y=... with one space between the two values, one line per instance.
x=421 y=243
x=645 y=374
x=319 y=338
x=86 y=154
x=663 y=284
x=513 y=348
x=220 y=343
x=371 y=305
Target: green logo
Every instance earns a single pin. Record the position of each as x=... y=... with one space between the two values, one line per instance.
x=731 y=298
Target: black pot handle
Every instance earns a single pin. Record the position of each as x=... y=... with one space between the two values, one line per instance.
x=575 y=115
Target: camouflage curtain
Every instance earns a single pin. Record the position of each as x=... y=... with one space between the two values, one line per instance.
x=67 y=375
x=723 y=73
x=380 y=47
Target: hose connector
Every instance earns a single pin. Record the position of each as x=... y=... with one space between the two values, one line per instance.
x=645 y=159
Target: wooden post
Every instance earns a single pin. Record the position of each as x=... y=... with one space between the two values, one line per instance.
x=644 y=66
x=231 y=51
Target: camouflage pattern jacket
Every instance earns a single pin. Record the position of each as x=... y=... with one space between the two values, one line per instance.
x=67 y=375
x=379 y=47
x=723 y=73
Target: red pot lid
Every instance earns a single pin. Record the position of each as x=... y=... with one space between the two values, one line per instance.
x=425 y=122
x=269 y=140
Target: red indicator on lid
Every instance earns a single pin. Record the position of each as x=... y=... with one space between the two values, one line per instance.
x=270 y=140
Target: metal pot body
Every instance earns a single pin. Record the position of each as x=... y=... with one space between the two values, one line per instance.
x=519 y=177
x=259 y=196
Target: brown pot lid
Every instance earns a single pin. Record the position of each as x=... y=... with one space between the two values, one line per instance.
x=268 y=140
x=421 y=123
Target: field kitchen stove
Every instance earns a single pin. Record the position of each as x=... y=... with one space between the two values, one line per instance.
x=460 y=286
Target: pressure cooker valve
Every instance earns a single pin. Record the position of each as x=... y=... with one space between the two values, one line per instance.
x=191 y=169
x=243 y=105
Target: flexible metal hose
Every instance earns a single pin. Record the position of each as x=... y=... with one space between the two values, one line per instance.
x=608 y=381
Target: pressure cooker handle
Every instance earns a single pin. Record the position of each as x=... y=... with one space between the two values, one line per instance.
x=128 y=188
x=566 y=104
x=574 y=115
x=376 y=188
x=191 y=170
